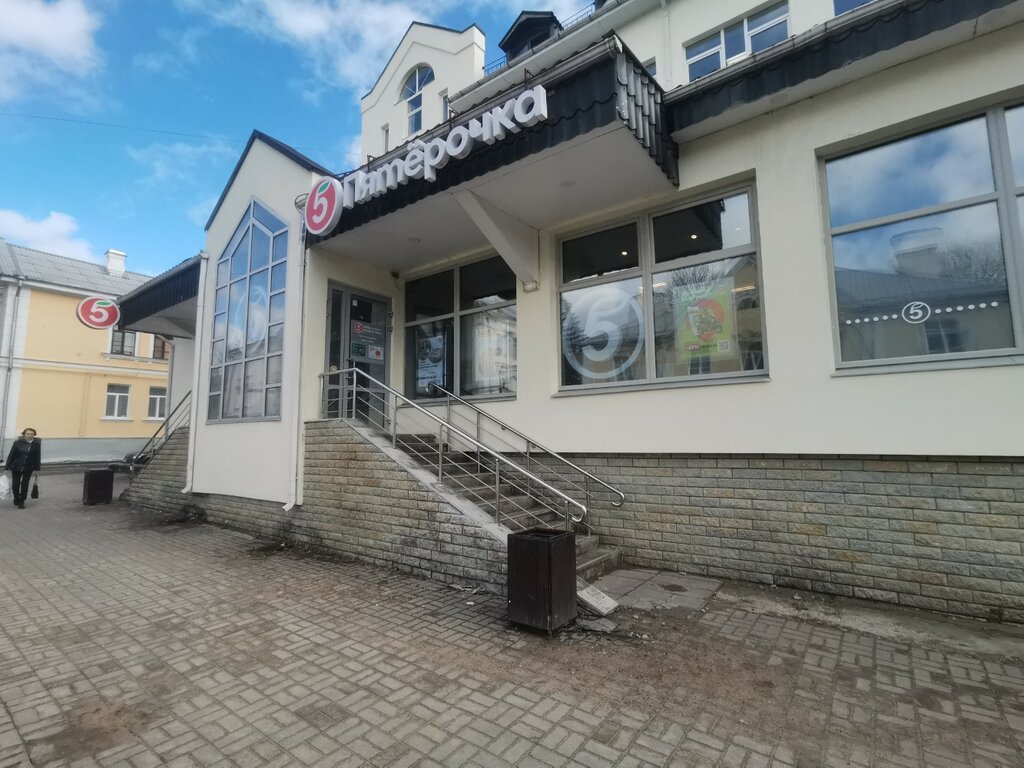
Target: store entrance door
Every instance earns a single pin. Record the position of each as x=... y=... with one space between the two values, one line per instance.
x=358 y=338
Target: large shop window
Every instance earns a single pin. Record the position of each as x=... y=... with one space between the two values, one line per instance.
x=248 y=320
x=700 y=268
x=753 y=34
x=461 y=331
x=922 y=230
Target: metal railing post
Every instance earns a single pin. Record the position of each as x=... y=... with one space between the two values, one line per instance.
x=440 y=452
x=497 y=493
x=394 y=421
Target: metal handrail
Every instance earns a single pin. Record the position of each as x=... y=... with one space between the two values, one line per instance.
x=531 y=441
x=480 y=447
x=164 y=426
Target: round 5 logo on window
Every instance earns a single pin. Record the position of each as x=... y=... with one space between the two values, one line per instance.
x=323 y=208
x=602 y=333
x=98 y=313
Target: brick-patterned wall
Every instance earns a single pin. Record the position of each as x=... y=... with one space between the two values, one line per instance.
x=939 y=533
x=158 y=486
x=367 y=506
x=357 y=502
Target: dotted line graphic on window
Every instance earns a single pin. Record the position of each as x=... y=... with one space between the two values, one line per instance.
x=917 y=312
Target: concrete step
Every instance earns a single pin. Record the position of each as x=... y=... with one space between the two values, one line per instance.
x=596 y=563
x=586 y=544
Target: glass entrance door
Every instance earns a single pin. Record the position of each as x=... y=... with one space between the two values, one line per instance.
x=357 y=338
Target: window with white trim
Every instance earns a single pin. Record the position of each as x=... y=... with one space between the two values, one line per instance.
x=461 y=331
x=157 y=403
x=922 y=230
x=117 y=401
x=246 y=358
x=412 y=95
x=699 y=266
x=161 y=348
x=845 y=6
x=757 y=32
x=122 y=343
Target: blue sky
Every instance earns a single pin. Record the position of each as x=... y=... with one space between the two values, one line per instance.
x=198 y=76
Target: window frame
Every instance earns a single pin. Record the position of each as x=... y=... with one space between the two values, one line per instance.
x=646 y=269
x=165 y=347
x=1004 y=195
x=157 y=398
x=748 y=32
x=456 y=318
x=414 y=74
x=837 y=13
x=114 y=334
x=117 y=397
x=249 y=214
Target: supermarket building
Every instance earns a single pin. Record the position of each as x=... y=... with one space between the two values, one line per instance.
x=758 y=267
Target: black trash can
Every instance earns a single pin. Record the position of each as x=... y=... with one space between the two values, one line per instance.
x=542 y=578
x=98 y=487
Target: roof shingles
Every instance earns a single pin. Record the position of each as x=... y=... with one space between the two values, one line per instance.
x=42 y=267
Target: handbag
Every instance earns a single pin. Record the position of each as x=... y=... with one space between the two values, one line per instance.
x=35 y=490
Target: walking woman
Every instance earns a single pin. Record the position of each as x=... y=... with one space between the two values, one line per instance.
x=24 y=459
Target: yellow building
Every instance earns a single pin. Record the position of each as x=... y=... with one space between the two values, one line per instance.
x=92 y=395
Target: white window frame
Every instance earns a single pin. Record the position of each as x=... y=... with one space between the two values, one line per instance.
x=1011 y=229
x=837 y=12
x=158 y=399
x=646 y=269
x=124 y=335
x=416 y=113
x=748 y=33
x=116 y=399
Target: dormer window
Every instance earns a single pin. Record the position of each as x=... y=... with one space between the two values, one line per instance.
x=412 y=93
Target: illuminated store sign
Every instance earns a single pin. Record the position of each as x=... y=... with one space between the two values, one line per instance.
x=330 y=196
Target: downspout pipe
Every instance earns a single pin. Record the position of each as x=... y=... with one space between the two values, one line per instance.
x=197 y=370
x=295 y=489
x=10 y=363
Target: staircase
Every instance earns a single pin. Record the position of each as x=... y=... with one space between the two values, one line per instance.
x=507 y=475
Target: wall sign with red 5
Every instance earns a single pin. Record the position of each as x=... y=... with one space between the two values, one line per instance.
x=98 y=313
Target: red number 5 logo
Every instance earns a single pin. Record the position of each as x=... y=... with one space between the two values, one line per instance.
x=98 y=313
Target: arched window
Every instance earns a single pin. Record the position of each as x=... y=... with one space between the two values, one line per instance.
x=412 y=92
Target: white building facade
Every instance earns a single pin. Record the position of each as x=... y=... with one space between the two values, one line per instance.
x=758 y=266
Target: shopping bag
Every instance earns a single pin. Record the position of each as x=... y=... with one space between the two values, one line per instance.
x=5 y=487
x=35 y=490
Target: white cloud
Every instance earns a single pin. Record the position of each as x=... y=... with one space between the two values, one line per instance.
x=45 y=45
x=180 y=162
x=346 y=43
x=199 y=213
x=54 y=234
x=181 y=49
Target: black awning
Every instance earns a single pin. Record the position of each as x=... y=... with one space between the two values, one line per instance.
x=842 y=43
x=614 y=87
x=174 y=287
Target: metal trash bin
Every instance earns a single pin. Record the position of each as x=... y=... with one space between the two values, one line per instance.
x=98 y=487
x=542 y=578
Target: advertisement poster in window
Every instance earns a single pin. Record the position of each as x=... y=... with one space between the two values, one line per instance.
x=491 y=364
x=430 y=362
x=705 y=319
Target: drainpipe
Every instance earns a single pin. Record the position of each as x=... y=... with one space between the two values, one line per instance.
x=10 y=364
x=295 y=491
x=197 y=371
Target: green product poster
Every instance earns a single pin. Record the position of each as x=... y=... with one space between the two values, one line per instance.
x=705 y=319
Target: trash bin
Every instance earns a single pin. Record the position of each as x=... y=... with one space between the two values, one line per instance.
x=542 y=578
x=98 y=487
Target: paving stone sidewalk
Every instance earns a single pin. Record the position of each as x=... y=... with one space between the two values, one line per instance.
x=131 y=640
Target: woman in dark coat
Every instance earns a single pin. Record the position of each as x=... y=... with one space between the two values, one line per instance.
x=24 y=459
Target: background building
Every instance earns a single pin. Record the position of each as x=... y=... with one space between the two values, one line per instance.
x=91 y=395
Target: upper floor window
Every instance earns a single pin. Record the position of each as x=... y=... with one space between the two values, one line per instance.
x=412 y=93
x=844 y=6
x=161 y=348
x=248 y=321
x=651 y=65
x=923 y=234
x=755 y=33
x=122 y=343
x=157 y=403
